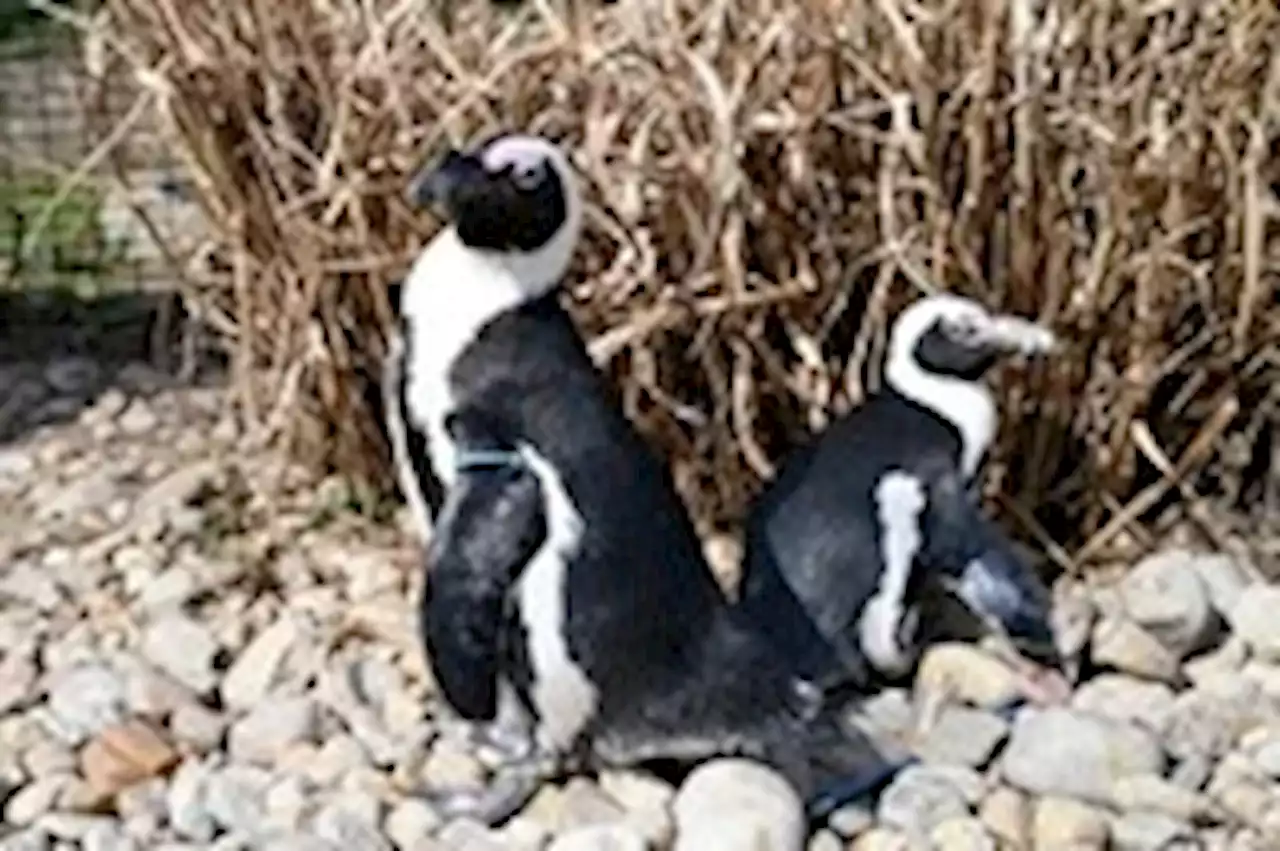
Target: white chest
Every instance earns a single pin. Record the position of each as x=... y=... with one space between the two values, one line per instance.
x=563 y=695
x=451 y=294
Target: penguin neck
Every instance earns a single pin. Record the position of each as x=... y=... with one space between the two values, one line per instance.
x=967 y=406
x=453 y=291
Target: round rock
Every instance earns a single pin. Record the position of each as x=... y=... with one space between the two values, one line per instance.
x=1062 y=823
x=919 y=800
x=738 y=805
x=1166 y=597
x=1072 y=754
x=1254 y=619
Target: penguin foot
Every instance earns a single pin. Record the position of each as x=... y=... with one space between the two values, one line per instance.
x=508 y=792
x=500 y=744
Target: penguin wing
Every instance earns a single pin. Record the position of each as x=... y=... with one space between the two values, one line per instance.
x=491 y=525
x=987 y=572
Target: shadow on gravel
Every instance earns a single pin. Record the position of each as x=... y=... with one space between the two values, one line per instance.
x=59 y=352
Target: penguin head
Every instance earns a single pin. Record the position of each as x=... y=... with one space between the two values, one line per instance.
x=952 y=336
x=513 y=198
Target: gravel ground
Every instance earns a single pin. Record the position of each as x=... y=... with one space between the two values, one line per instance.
x=183 y=666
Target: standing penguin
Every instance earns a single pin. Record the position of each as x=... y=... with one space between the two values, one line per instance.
x=563 y=567
x=844 y=548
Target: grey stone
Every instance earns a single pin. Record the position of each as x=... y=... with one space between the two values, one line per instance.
x=107 y=837
x=410 y=823
x=36 y=799
x=962 y=834
x=1073 y=754
x=184 y=649
x=919 y=800
x=1063 y=823
x=347 y=828
x=197 y=727
x=1165 y=595
x=1121 y=644
x=1148 y=832
x=275 y=725
x=32 y=839
x=237 y=797
x=1254 y=620
x=188 y=805
x=963 y=736
x=254 y=672
x=738 y=805
x=612 y=837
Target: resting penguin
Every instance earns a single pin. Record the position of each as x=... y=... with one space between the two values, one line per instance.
x=562 y=566
x=863 y=524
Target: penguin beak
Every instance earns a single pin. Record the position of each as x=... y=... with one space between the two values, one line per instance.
x=1006 y=595
x=1015 y=335
x=442 y=184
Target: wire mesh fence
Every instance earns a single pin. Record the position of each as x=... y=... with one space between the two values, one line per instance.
x=95 y=224
x=83 y=176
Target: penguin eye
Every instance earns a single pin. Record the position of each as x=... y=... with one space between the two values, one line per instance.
x=962 y=329
x=527 y=176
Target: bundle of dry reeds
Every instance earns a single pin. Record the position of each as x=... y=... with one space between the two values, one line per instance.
x=769 y=182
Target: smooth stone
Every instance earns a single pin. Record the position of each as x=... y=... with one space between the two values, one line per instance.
x=1127 y=647
x=735 y=805
x=963 y=736
x=962 y=834
x=1254 y=619
x=1154 y=794
x=600 y=837
x=1007 y=814
x=968 y=674
x=919 y=800
x=1062 y=823
x=1071 y=754
x=1148 y=832
x=1166 y=597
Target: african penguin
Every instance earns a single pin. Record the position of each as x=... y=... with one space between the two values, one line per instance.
x=563 y=567
x=844 y=547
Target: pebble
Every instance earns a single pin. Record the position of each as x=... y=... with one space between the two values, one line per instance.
x=882 y=839
x=236 y=797
x=601 y=838
x=254 y=672
x=36 y=799
x=963 y=736
x=1165 y=596
x=919 y=799
x=262 y=735
x=962 y=834
x=738 y=805
x=1139 y=831
x=1126 y=699
x=85 y=699
x=1225 y=580
x=1128 y=648
x=198 y=727
x=410 y=822
x=1063 y=823
x=967 y=673
x=1152 y=793
x=347 y=827
x=123 y=755
x=1062 y=752
x=1006 y=813
x=1254 y=620
x=33 y=839
x=184 y=649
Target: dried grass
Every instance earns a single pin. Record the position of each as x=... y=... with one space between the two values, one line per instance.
x=768 y=182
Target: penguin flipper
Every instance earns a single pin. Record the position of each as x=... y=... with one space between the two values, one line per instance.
x=491 y=525
x=986 y=572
